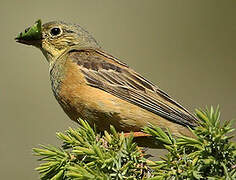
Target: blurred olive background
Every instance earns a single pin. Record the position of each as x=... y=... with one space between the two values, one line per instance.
x=185 y=47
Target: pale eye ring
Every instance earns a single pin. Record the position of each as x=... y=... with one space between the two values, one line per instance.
x=55 y=31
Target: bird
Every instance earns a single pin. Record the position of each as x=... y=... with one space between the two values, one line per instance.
x=93 y=85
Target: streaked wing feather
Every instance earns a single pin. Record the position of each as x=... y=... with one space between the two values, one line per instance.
x=116 y=78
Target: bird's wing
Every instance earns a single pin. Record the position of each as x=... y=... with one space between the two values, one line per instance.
x=107 y=73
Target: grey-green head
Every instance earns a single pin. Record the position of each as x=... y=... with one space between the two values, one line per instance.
x=55 y=37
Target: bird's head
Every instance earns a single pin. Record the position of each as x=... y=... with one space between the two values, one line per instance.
x=56 y=37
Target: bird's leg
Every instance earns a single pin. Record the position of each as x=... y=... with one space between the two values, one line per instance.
x=136 y=134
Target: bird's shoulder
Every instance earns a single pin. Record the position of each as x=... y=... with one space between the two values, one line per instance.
x=97 y=61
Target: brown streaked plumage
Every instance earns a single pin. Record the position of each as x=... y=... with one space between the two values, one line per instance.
x=89 y=83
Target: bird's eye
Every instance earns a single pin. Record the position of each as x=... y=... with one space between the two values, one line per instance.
x=55 y=31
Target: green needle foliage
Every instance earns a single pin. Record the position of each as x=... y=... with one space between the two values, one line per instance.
x=86 y=154
x=210 y=155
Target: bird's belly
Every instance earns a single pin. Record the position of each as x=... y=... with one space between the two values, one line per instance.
x=103 y=109
x=98 y=107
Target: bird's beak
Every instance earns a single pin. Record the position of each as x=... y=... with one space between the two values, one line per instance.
x=31 y=35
